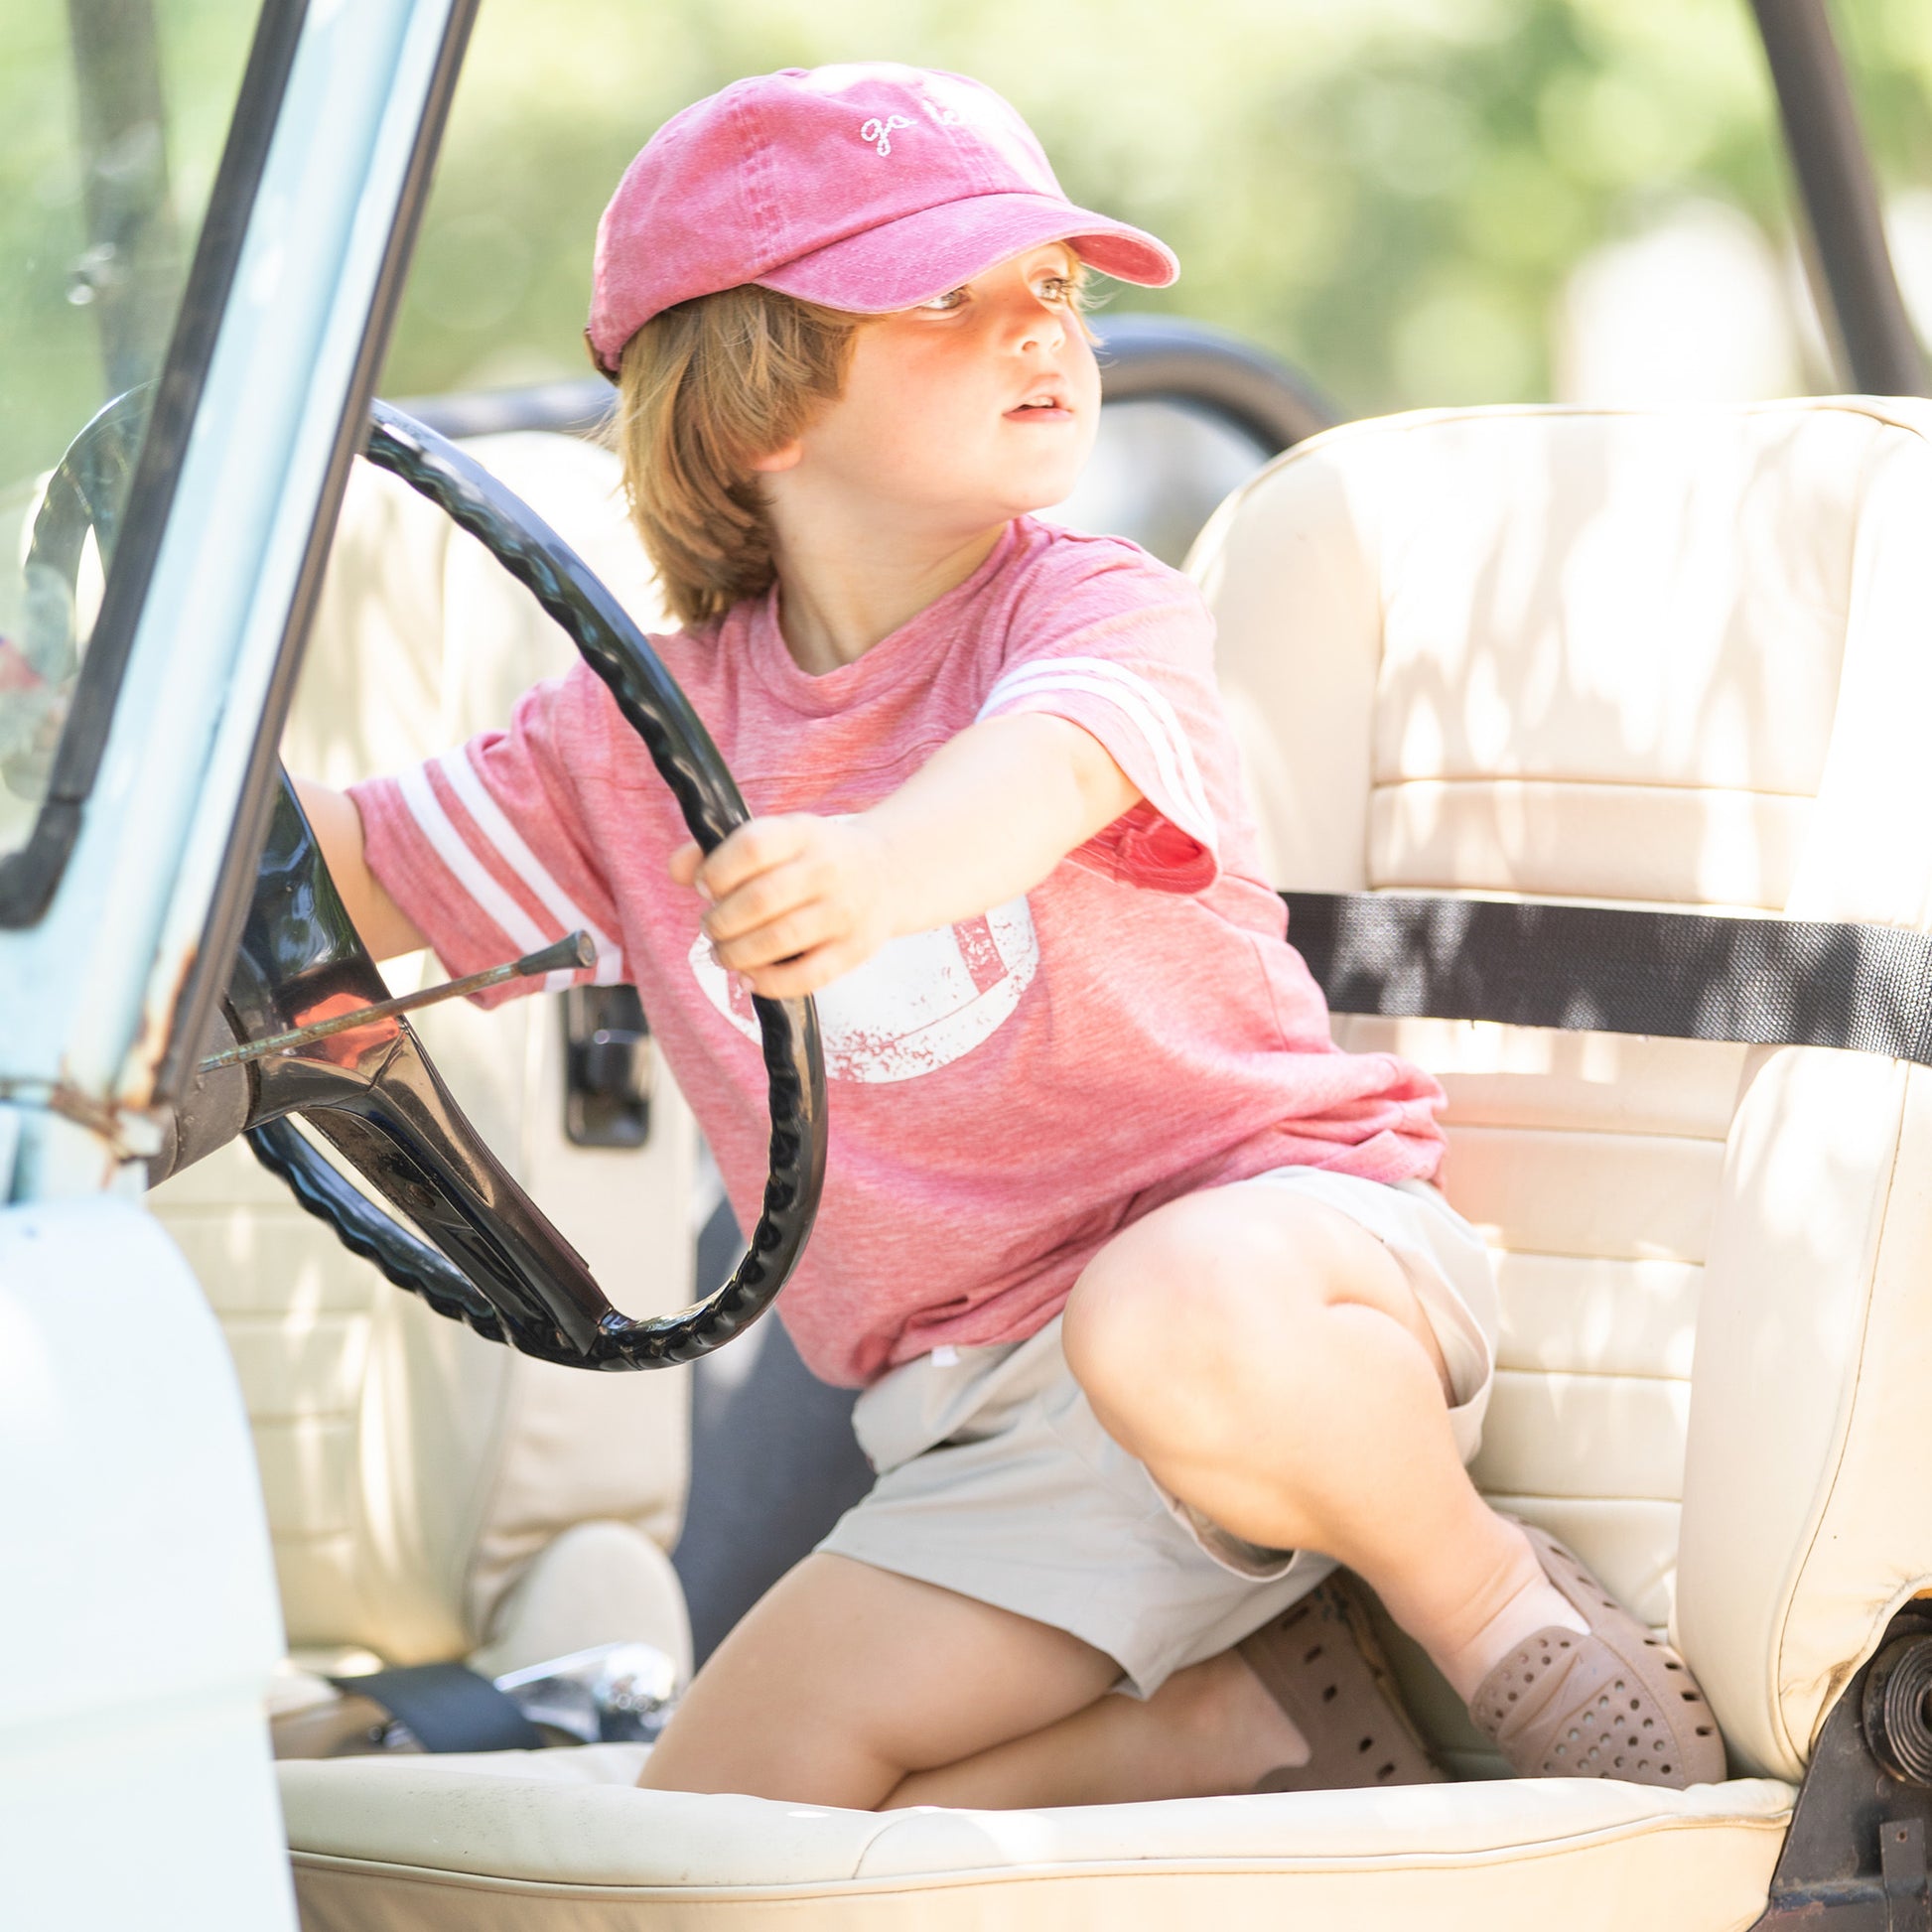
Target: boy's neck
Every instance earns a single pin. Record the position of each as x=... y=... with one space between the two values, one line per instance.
x=836 y=601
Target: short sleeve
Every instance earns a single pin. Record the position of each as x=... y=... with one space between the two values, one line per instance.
x=1124 y=648
x=486 y=846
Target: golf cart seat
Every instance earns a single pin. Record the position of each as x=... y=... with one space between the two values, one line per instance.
x=432 y=1496
x=1642 y=659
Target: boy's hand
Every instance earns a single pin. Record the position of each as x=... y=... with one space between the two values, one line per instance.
x=796 y=900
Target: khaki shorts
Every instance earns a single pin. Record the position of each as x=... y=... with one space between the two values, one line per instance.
x=997 y=1480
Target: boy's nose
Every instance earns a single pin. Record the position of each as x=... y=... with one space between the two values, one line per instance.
x=1041 y=326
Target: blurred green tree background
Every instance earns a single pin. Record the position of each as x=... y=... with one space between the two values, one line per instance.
x=51 y=377
x=1389 y=192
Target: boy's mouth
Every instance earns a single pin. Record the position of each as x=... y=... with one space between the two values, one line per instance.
x=1045 y=405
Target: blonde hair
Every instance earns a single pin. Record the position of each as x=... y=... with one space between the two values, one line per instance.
x=705 y=389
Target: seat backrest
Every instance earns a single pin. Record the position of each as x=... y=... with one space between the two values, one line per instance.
x=429 y=1492
x=1675 y=660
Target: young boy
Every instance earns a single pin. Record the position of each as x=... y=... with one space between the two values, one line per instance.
x=1157 y=1312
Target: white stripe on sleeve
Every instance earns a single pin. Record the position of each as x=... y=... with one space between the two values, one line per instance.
x=495 y=825
x=1142 y=706
x=518 y=927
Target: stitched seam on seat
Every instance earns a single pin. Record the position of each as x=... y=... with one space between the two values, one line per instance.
x=1413 y=422
x=1512 y=1496
x=1259 y=1864
x=1880 y=1214
x=1573 y=781
x=1644 y=1133
x=1856 y=590
x=486 y=1499
x=1542 y=1372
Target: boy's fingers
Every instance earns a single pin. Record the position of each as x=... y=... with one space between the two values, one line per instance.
x=810 y=973
x=767 y=896
x=754 y=848
x=685 y=862
x=798 y=931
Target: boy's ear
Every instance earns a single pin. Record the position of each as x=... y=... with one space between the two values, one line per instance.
x=784 y=456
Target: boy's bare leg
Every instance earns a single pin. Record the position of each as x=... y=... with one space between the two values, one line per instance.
x=1268 y=1360
x=1210 y=1730
x=851 y=1686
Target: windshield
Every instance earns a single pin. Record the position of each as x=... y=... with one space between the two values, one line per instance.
x=112 y=119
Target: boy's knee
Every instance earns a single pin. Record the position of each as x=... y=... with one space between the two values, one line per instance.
x=1182 y=1308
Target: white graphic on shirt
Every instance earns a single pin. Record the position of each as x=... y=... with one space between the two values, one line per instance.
x=916 y=1004
x=880 y=132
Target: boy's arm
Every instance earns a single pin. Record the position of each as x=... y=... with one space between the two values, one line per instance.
x=800 y=899
x=385 y=928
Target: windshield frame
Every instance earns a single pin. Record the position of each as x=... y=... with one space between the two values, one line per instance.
x=29 y=875
x=102 y=996
x=235 y=883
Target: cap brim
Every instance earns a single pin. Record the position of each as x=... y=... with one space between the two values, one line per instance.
x=919 y=256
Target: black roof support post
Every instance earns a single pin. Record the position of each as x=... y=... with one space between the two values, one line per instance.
x=1882 y=356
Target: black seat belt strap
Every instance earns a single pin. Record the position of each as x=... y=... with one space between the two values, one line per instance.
x=1606 y=969
x=448 y=1706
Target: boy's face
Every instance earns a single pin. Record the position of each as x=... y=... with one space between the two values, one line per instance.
x=970 y=409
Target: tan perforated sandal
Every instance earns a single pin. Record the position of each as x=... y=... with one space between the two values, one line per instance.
x=1614 y=1702
x=1321 y=1662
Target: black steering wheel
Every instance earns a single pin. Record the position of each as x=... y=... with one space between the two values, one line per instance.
x=491 y=1258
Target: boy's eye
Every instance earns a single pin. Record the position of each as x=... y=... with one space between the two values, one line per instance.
x=945 y=304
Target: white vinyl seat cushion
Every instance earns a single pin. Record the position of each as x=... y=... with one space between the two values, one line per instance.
x=563 y=1841
x=1641 y=658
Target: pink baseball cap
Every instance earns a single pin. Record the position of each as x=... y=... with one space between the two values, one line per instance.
x=868 y=187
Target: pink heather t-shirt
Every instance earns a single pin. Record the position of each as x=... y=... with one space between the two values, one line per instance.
x=1006 y=1093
